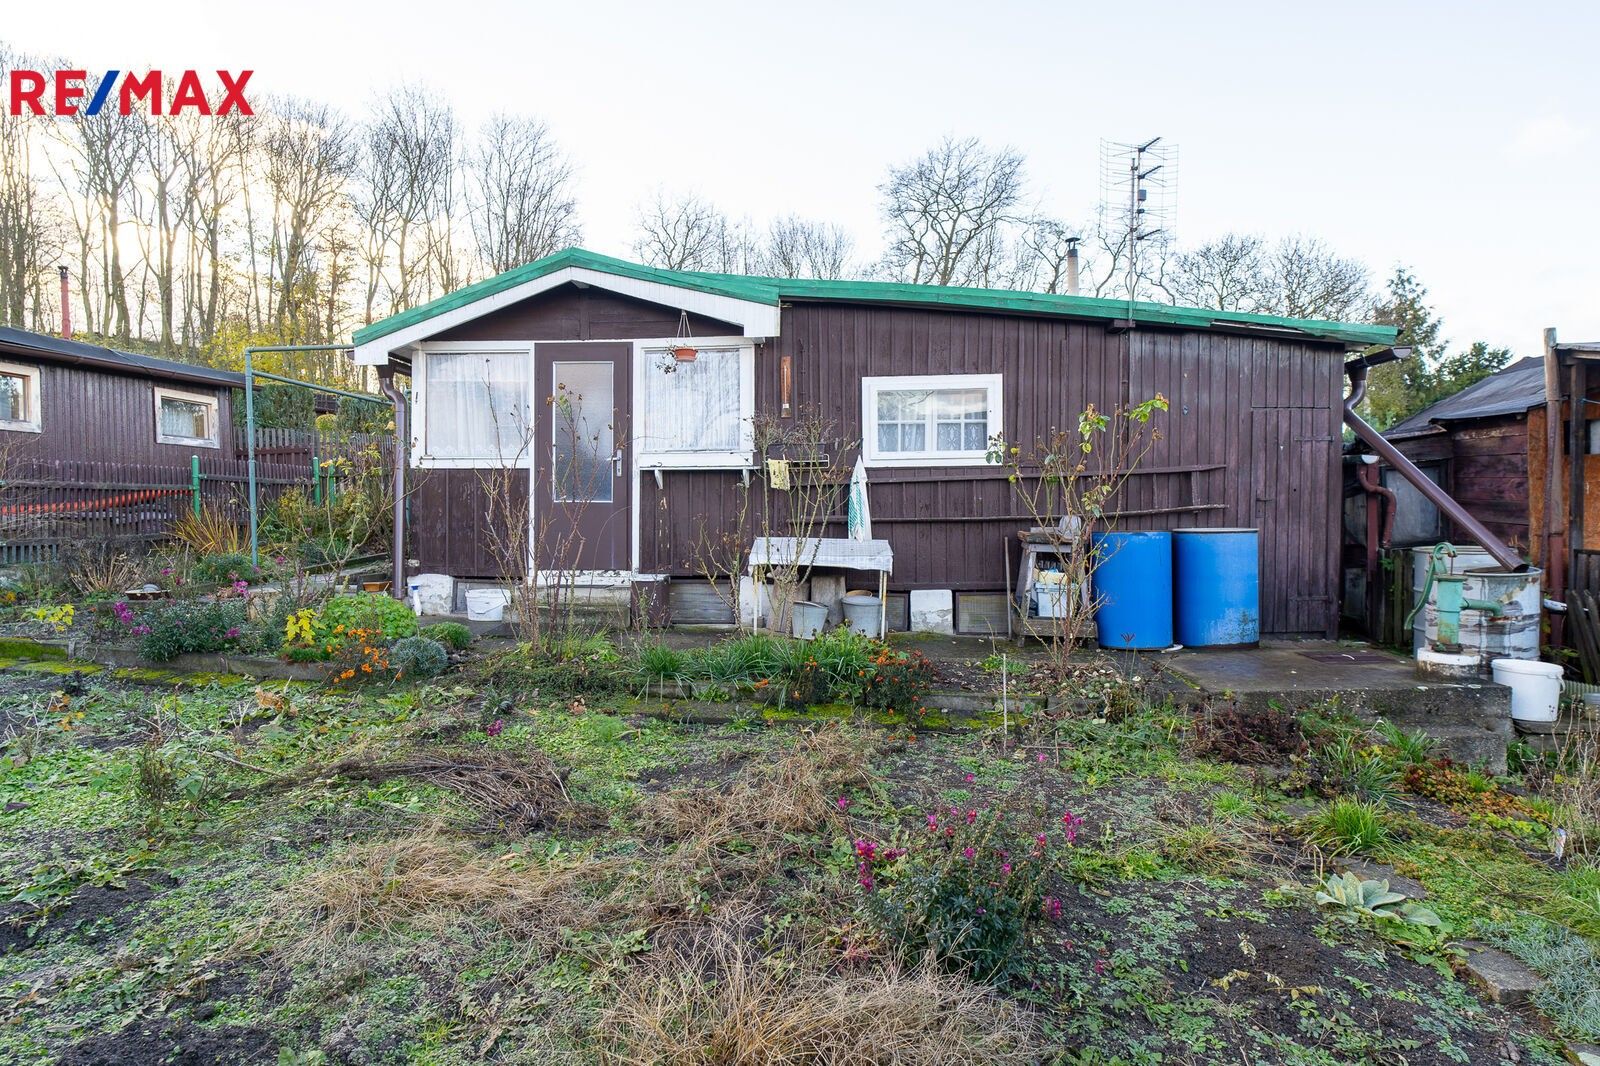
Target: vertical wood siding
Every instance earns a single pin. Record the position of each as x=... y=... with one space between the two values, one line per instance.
x=91 y=415
x=1252 y=438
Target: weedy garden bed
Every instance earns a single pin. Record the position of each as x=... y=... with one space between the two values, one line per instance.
x=514 y=864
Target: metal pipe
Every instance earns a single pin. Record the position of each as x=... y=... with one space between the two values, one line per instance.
x=250 y=375
x=1367 y=474
x=1555 y=504
x=397 y=586
x=1503 y=554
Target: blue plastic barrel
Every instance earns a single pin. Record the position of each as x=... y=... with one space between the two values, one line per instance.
x=1218 y=574
x=1133 y=589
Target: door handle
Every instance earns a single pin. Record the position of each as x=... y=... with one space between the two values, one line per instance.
x=616 y=464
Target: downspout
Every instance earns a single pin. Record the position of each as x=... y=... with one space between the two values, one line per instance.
x=386 y=385
x=1357 y=371
x=1367 y=474
x=1555 y=505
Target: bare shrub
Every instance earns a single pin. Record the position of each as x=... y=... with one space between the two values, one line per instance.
x=716 y=1000
x=98 y=568
x=1071 y=484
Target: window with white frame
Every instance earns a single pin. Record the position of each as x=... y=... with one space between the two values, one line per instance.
x=932 y=420
x=19 y=398
x=475 y=406
x=188 y=418
x=696 y=413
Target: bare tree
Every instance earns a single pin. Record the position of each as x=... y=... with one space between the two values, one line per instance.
x=682 y=233
x=406 y=166
x=1232 y=273
x=26 y=231
x=800 y=248
x=947 y=211
x=308 y=155
x=520 y=193
x=1310 y=281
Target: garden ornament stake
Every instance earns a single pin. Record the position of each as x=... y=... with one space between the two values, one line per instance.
x=1449 y=600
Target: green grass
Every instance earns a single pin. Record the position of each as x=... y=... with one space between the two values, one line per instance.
x=1349 y=826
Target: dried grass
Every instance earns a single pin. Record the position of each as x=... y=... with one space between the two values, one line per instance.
x=428 y=882
x=517 y=793
x=740 y=827
x=214 y=531
x=715 y=1000
x=794 y=793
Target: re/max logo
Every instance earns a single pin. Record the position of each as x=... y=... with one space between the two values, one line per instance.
x=28 y=92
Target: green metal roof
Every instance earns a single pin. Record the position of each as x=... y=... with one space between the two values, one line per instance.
x=772 y=291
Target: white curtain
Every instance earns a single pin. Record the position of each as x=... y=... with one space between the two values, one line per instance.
x=477 y=405
x=184 y=418
x=692 y=407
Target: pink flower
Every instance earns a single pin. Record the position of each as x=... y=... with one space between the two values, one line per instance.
x=972 y=816
x=1043 y=757
x=1052 y=908
x=970 y=778
x=233 y=631
x=166 y=571
x=866 y=850
x=495 y=727
x=1099 y=967
x=843 y=803
x=1005 y=869
x=933 y=821
x=967 y=853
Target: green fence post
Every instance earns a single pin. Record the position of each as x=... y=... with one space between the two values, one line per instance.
x=194 y=482
x=316 y=479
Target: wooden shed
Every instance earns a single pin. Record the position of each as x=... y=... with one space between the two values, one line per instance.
x=71 y=401
x=922 y=376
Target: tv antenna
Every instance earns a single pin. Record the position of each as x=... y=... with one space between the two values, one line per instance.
x=1139 y=187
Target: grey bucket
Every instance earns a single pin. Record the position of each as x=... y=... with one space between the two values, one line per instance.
x=861 y=614
x=807 y=619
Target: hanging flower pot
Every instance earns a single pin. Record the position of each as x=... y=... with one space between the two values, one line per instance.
x=685 y=354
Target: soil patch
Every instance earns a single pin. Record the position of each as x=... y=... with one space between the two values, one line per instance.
x=175 y=1042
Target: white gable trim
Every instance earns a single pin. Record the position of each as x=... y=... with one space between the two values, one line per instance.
x=758 y=320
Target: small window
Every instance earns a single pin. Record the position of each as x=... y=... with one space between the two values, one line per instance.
x=187 y=418
x=19 y=398
x=697 y=413
x=929 y=421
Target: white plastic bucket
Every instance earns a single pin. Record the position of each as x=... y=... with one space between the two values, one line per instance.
x=861 y=614
x=806 y=619
x=487 y=605
x=1535 y=688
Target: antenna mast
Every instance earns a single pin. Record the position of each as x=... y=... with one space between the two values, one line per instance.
x=1142 y=181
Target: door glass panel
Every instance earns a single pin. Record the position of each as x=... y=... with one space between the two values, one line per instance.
x=581 y=432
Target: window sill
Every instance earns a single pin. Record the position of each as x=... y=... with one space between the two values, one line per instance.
x=187 y=442
x=698 y=461
x=487 y=462
x=22 y=427
x=926 y=460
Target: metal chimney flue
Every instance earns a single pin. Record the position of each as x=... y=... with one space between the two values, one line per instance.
x=66 y=304
x=1072 y=266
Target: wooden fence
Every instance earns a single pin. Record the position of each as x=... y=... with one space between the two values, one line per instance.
x=48 y=503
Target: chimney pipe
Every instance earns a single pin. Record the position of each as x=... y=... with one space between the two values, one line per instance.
x=66 y=305
x=1072 y=266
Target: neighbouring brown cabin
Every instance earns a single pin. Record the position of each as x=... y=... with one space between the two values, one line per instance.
x=1487 y=446
x=65 y=400
x=1252 y=437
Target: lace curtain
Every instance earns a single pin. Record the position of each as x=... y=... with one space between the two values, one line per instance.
x=477 y=405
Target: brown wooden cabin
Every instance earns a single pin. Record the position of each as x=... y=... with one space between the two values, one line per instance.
x=1252 y=437
x=64 y=400
x=1477 y=445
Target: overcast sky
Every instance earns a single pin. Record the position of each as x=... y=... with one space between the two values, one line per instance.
x=1459 y=139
